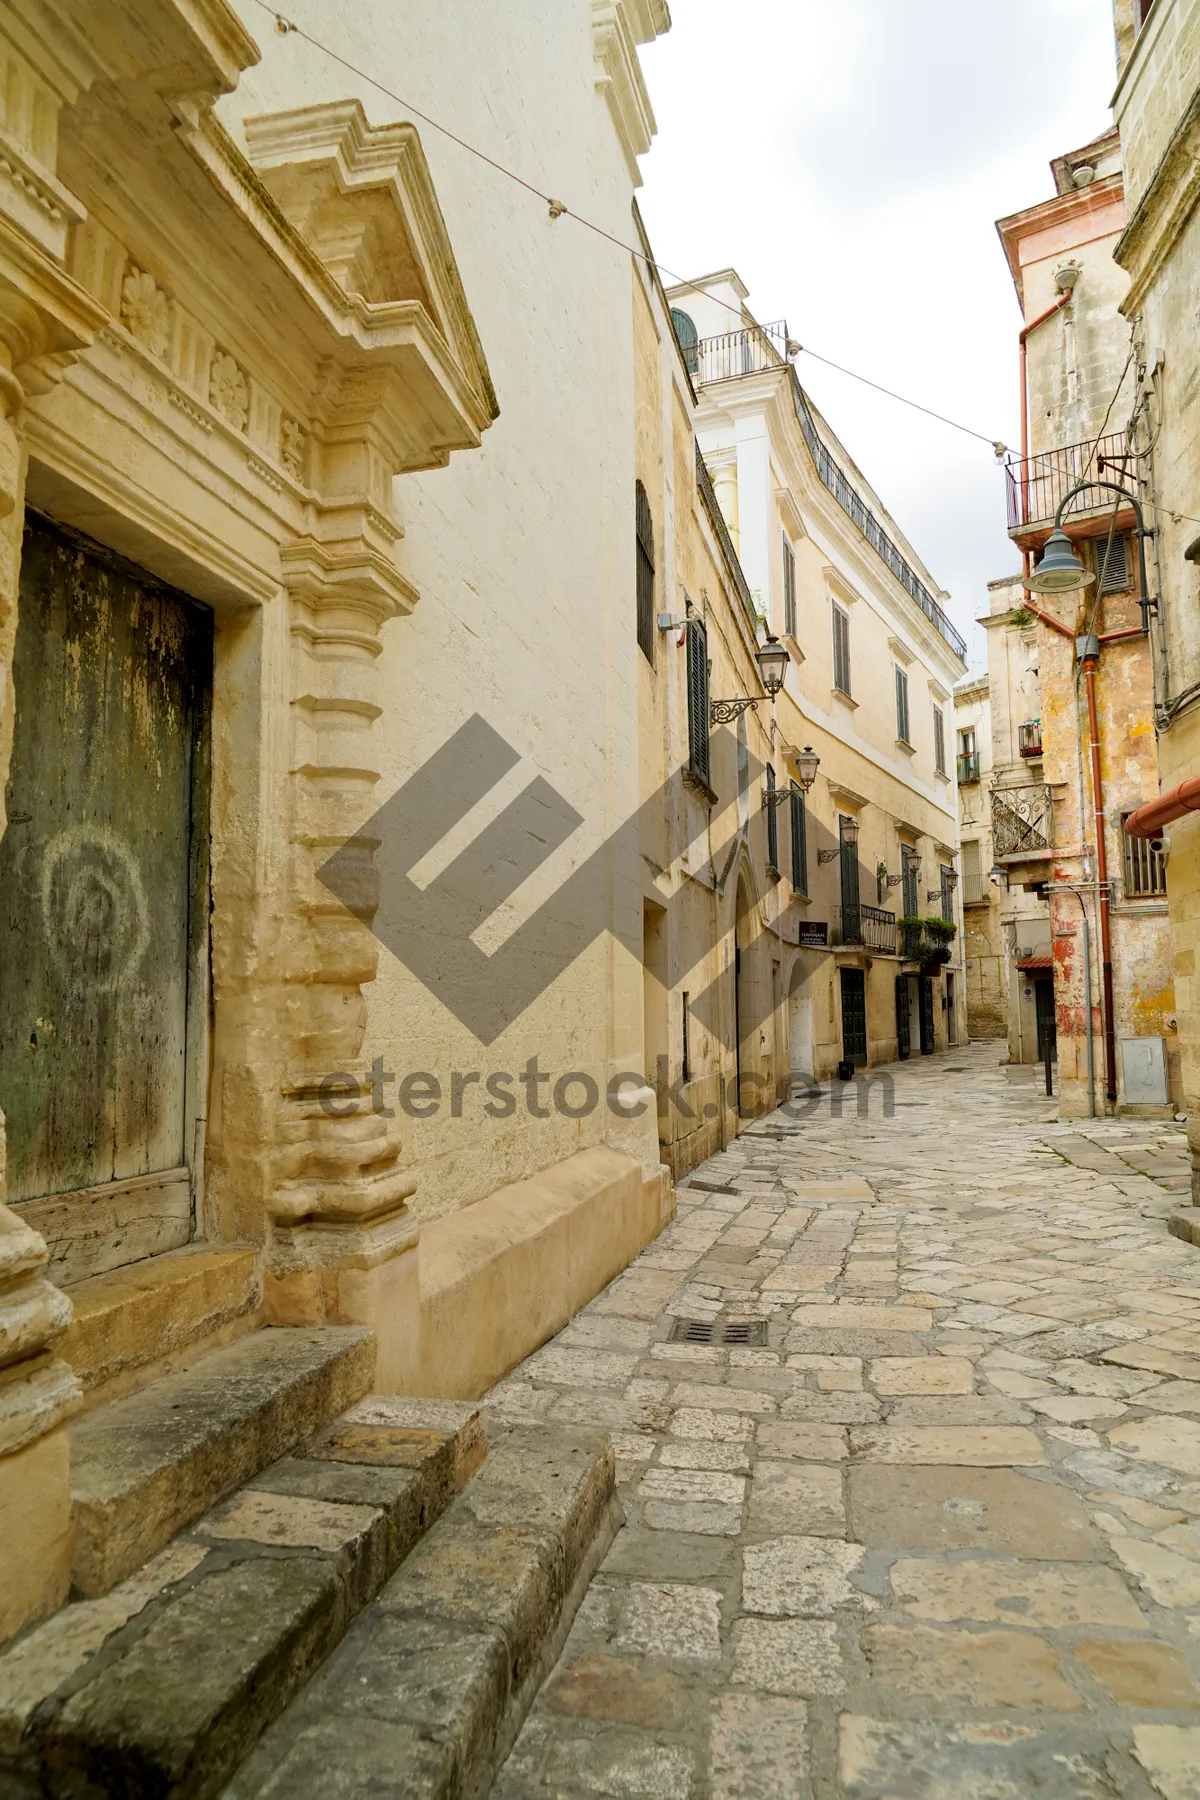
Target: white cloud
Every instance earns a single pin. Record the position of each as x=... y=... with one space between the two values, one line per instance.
x=850 y=161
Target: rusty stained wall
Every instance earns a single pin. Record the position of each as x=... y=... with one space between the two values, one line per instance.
x=1143 y=989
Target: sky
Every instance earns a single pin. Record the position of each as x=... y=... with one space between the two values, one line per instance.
x=850 y=161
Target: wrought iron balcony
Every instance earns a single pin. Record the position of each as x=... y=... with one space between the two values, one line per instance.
x=1036 y=484
x=878 y=929
x=1022 y=821
x=737 y=353
x=1029 y=737
x=968 y=768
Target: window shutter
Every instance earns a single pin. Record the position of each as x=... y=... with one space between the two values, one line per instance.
x=841 y=649
x=902 y=705
x=697 y=687
x=799 y=826
x=772 y=822
x=1113 y=569
x=789 y=589
x=939 y=741
x=644 y=523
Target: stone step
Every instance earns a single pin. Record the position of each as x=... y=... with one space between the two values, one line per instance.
x=135 y=1324
x=1185 y=1225
x=424 y=1698
x=162 y=1687
x=144 y=1467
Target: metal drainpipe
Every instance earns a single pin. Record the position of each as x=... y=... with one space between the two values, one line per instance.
x=1089 y=652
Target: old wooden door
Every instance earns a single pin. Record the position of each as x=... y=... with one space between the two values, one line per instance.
x=103 y=901
x=854 y=1016
x=903 y=1029
x=928 y=1041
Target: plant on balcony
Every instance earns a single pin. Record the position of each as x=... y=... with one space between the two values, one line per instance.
x=926 y=940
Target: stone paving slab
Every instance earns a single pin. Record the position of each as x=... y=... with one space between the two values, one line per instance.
x=940 y=1534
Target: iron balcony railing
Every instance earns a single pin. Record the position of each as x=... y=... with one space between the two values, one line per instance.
x=1029 y=737
x=968 y=767
x=1022 y=821
x=879 y=929
x=845 y=925
x=1036 y=484
x=716 y=519
x=736 y=353
x=760 y=347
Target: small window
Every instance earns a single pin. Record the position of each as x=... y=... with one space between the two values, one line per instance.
x=687 y=338
x=1114 y=565
x=1145 y=866
x=772 y=823
x=841 y=649
x=966 y=741
x=902 y=705
x=645 y=573
x=799 y=825
x=789 y=589
x=939 y=740
x=698 y=709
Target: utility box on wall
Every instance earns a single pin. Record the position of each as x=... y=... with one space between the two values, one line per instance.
x=1144 y=1069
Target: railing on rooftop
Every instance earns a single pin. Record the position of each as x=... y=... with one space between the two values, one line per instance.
x=716 y=518
x=1036 y=484
x=760 y=347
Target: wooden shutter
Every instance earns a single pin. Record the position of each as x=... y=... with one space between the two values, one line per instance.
x=799 y=826
x=697 y=687
x=939 y=741
x=789 y=589
x=1114 y=568
x=902 y=705
x=645 y=573
x=841 y=649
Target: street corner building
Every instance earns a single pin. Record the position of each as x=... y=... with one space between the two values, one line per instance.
x=814 y=847
x=317 y=458
x=1084 y=938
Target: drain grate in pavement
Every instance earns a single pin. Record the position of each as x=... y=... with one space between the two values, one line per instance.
x=719 y=1331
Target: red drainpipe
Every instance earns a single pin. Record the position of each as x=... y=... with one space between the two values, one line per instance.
x=1110 y=1038
x=1148 y=820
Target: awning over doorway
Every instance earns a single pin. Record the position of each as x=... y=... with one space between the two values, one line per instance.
x=1036 y=965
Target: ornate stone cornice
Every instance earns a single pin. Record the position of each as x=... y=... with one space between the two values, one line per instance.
x=619 y=75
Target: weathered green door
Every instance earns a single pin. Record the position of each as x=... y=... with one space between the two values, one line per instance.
x=103 y=881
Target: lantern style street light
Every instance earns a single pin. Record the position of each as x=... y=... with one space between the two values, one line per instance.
x=1060 y=570
x=847 y=838
x=806 y=766
x=772 y=659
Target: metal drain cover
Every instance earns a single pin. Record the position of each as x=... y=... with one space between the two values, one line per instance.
x=750 y=1332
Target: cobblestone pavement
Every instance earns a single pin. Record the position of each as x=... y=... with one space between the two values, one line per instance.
x=932 y=1527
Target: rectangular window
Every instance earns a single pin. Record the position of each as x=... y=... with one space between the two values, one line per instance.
x=772 y=823
x=799 y=824
x=1145 y=866
x=973 y=891
x=939 y=740
x=902 y=705
x=687 y=1049
x=947 y=893
x=789 y=589
x=966 y=741
x=698 y=708
x=841 y=649
x=645 y=573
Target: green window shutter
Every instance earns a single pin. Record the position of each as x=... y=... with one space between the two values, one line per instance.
x=902 y=706
x=799 y=826
x=698 y=708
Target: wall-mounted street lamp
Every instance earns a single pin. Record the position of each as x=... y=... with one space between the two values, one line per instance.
x=1060 y=570
x=847 y=838
x=772 y=659
x=806 y=766
x=998 y=875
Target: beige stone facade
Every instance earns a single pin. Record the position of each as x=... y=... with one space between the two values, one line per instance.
x=240 y=315
x=874 y=659
x=1088 y=759
x=1157 y=110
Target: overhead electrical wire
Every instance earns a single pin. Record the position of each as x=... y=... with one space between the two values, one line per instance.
x=287 y=27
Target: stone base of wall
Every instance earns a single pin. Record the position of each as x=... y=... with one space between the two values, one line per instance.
x=502 y=1276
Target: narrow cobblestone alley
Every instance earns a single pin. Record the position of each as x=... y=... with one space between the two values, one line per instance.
x=922 y=1517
